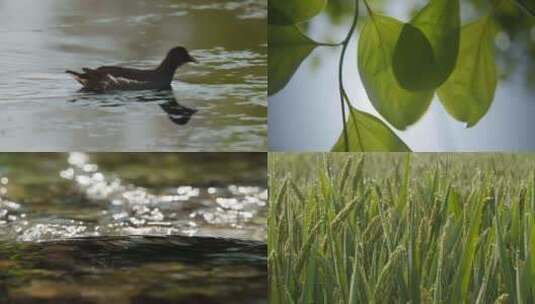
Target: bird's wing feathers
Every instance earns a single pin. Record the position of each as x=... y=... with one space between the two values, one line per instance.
x=113 y=78
x=140 y=75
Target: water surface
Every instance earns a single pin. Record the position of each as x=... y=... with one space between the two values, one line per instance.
x=217 y=105
x=133 y=228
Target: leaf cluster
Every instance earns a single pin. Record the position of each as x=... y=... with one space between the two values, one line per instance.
x=402 y=65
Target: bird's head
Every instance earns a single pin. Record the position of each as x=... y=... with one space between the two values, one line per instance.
x=179 y=56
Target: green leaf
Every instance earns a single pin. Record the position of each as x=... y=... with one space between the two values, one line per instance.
x=454 y=204
x=428 y=46
x=413 y=261
x=285 y=12
x=398 y=106
x=310 y=278
x=414 y=62
x=464 y=270
x=367 y=133
x=354 y=281
x=287 y=48
x=404 y=190
x=468 y=93
x=504 y=260
x=531 y=253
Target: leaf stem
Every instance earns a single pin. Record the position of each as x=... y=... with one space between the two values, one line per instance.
x=329 y=44
x=368 y=8
x=523 y=6
x=354 y=119
x=343 y=93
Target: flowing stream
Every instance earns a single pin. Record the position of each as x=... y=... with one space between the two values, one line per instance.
x=130 y=230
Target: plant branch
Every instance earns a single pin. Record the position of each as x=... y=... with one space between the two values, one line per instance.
x=329 y=44
x=368 y=8
x=343 y=94
x=523 y=6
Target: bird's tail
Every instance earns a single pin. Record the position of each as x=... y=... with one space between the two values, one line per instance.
x=73 y=73
x=80 y=77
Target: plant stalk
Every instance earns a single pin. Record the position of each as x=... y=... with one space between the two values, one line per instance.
x=345 y=44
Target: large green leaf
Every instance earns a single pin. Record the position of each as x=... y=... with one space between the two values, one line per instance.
x=398 y=106
x=285 y=12
x=366 y=133
x=428 y=46
x=468 y=93
x=287 y=48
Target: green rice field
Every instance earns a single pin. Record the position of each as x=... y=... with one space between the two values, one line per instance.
x=401 y=228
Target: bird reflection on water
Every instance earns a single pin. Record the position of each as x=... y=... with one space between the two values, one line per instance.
x=178 y=114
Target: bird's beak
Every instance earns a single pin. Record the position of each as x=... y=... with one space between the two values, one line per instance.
x=193 y=59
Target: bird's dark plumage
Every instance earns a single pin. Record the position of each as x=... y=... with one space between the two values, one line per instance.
x=109 y=78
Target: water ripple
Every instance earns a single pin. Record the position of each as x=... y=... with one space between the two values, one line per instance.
x=121 y=208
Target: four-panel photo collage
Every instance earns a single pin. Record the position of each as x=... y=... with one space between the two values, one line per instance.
x=267 y=151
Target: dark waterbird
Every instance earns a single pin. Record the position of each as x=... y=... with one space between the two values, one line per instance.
x=110 y=78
